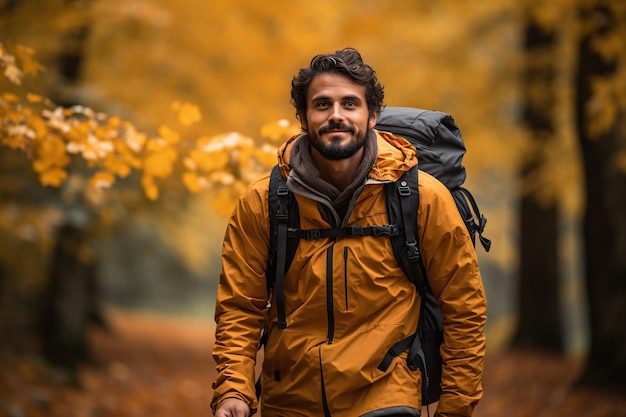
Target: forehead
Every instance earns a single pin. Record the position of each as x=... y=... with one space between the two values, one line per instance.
x=336 y=86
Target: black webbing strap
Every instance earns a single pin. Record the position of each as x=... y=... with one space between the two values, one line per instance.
x=409 y=215
x=376 y=231
x=403 y=202
x=282 y=216
x=402 y=205
x=476 y=227
x=394 y=351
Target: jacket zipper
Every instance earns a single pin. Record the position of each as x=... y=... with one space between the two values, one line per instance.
x=345 y=273
x=329 y=295
x=324 y=399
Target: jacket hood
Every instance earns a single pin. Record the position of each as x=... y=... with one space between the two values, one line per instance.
x=395 y=156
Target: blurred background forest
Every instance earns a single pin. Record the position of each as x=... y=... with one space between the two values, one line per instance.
x=128 y=129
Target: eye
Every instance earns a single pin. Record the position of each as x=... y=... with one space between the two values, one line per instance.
x=351 y=103
x=322 y=104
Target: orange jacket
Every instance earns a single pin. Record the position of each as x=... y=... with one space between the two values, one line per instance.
x=347 y=302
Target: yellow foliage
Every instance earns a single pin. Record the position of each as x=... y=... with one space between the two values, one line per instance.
x=29 y=65
x=169 y=135
x=160 y=163
x=602 y=108
x=114 y=147
x=193 y=181
x=11 y=71
x=150 y=188
x=92 y=148
x=10 y=98
x=208 y=160
x=266 y=155
x=279 y=131
x=102 y=179
x=51 y=154
x=52 y=176
x=132 y=138
x=188 y=114
x=116 y=165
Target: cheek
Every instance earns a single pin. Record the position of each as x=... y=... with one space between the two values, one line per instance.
x=313 y=122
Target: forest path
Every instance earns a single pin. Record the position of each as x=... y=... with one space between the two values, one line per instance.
x=150 y=365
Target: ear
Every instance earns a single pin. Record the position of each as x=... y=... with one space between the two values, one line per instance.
x=372 y=121
x=303 y=124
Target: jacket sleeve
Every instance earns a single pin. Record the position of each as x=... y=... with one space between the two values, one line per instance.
x=241 y=300
x=452 y=270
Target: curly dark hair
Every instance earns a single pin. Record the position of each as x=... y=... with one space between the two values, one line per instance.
x=346 y=62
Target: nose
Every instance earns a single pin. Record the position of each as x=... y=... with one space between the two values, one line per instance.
x=336 y=114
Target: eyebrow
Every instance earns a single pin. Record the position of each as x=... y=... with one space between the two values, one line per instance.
x=349 y=97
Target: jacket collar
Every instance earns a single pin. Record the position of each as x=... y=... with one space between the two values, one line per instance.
x=395 y=156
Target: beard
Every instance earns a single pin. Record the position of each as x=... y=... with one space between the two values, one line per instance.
x=334 y=150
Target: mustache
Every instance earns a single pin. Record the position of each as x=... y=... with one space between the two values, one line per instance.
x=334 y=126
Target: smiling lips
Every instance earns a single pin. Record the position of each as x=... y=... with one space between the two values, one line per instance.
x=339 y=127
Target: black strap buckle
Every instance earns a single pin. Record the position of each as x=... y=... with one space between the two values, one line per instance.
x=403 y=189
x=412 y=251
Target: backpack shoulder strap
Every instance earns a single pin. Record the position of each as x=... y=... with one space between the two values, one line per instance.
x=402 y=204
x=283 y=215
x=474 y=220
x=423 y=345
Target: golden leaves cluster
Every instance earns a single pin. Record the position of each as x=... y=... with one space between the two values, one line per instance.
x=53 y=137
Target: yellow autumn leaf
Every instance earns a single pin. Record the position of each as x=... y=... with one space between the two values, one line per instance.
x=208 y=161
x=188 y=114
x=149 y=187
x=134 y=139
x=169 y=135
x=191 y=180
x=52 y=177
x=155 y=145
x=190 y=164
x=160 y=164
x=243 y=157
x=114 y=122
x=14 y=141
x=39 y=126
x=13 y=73
x=222 y=177
x=34 y=98
x=102 y=179
x=126 y=153
x=29 y=65
x=266 y=155
x=10 y=98
x=92 y=149
x=116 y=165
x=134 y=162
x=279 y=131
x=51 y=152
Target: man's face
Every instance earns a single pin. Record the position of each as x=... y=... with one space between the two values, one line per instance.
x=337 y=118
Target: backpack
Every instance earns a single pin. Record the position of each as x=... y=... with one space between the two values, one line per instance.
x=440 y=150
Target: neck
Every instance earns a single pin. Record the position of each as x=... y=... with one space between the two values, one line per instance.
x=338 y=173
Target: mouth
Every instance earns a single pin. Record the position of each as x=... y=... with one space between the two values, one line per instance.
x=335 y=128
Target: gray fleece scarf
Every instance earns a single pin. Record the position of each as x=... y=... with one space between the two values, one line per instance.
x=302 y=163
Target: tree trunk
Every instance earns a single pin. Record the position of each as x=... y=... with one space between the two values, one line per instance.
x=604 y=230
x=539 y=320
x=70 y=301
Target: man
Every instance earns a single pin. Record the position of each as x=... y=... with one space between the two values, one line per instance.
x=346 y=299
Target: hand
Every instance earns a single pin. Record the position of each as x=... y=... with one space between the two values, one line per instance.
x=232 y=407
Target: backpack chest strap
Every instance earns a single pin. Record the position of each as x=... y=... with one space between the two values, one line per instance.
x=375 y=231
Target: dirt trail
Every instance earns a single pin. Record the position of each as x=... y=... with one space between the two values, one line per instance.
x=156 y=366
